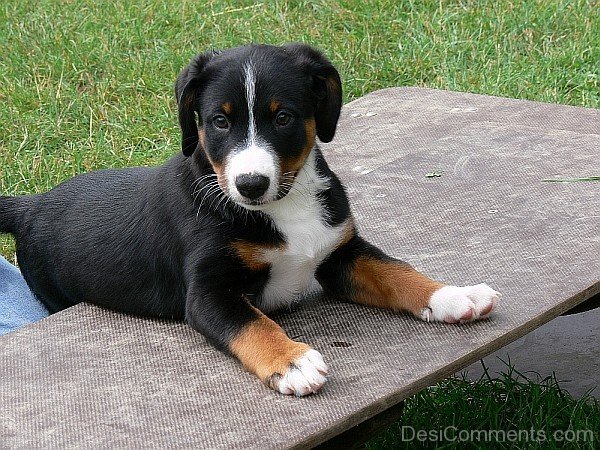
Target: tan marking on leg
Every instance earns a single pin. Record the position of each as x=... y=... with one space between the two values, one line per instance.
x=274 y=105
x=227 y=107
x=391 y=285
x=265 y=350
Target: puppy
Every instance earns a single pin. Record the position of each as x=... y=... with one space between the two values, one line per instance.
x=239 y=224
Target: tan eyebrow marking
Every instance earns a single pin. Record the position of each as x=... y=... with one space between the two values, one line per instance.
x=227 y=107
x=274 y=105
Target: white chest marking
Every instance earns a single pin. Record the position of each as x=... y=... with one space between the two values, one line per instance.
x=309 y=240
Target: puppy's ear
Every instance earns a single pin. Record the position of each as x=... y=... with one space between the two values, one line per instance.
x=326 y=85
x=187 y=89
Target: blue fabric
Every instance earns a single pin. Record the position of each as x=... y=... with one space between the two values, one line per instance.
x=18 y=306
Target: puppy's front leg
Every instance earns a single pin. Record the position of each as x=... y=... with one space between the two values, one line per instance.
x=364 y=274
x=232 y=324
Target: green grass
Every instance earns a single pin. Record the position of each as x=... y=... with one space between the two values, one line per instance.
x=510 y=412
x=89 y=84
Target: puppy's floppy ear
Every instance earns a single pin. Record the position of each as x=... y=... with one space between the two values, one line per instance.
x=187 y=88
x=326 y=85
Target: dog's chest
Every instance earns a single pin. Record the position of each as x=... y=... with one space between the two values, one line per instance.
x=309 y=240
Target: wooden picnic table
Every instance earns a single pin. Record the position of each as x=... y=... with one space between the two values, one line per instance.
x=451 y=182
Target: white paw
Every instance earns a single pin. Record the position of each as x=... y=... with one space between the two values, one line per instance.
x=453 y=304
x=305 y=376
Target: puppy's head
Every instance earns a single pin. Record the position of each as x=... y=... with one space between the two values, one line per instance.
x=253 y=114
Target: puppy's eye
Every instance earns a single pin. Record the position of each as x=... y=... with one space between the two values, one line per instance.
x=221 y=122
x=283 y=118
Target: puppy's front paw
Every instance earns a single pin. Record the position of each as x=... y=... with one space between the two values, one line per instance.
x=453 y=304
x=306 y=375
x=284 y=365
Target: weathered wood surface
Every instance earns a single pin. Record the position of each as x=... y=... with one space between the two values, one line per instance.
x=91 y=378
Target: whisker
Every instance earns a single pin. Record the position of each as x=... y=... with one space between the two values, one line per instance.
x=209 y=184
x=214 y=188
x=203 y=177
x=201 y=188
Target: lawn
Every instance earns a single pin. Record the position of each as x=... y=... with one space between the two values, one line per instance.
x=89 y=84
x=513 y=411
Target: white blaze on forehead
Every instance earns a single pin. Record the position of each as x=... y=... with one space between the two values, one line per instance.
x=255 y=157
x=250 y=84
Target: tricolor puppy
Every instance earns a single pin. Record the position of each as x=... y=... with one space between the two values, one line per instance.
x=239 y=224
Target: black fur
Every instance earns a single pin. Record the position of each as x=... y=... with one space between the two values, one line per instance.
x=137 y=241
x=9 y=211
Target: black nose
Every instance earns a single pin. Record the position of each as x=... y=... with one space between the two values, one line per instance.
x=252 y=186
